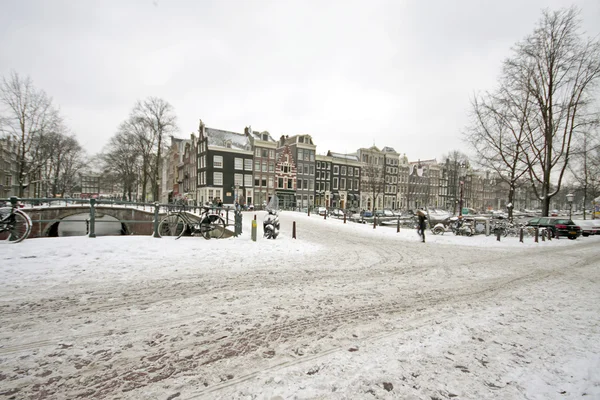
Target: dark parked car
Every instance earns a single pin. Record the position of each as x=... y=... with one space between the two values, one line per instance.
x=557 y=227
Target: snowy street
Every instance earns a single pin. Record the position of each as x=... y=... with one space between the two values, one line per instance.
x=343 y=312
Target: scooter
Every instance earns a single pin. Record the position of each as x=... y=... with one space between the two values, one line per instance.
x=271 y=221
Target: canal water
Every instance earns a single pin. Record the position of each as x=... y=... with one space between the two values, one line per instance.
x=75 y=225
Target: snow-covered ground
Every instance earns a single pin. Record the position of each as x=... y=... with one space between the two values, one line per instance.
x=345 y=311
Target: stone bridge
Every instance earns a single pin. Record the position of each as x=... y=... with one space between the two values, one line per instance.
x=134 y=221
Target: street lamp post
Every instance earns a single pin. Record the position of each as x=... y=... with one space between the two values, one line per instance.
x=570 y=201
x=460 y=204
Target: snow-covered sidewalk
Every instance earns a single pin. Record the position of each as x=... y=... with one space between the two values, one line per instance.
x=343 y=311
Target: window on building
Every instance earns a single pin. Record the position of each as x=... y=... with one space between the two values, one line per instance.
x=349 y=184
x=318 y=175
x=211 y=195
x=299 y=184
x=217 y=178
x=248 y=164
x=271 y=153
x=218 y=162
x=257 y=182
x=238 y=163
x=265 y=153
x=344 y=171
x=257 y=152
x=350 y=171
x=327 y=186
x=300 y=154
x=264 y=182
x=343 y=184
x=270 y=182
x=257 y=166
x=264 y=166
x=280 y=183
x=290 y=184
x=335 y=183
x=299 y=168
x=305 y=169
x=238 y=179
x=318 y=164
x=336 y=169
x=271 y=166
x=356 y=187
x=248 y=180
x=311 y=185
x=305 y=184
x=312 y=156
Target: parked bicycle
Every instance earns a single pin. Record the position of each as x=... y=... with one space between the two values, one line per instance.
x=177 y=223
x=15 y=225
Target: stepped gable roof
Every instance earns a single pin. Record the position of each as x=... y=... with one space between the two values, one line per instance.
x=217 y=137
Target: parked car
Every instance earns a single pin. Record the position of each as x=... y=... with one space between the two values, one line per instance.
x=336 y=212
x=557 y=227
x=322 y=211
x=588 y=226
x=366 y=214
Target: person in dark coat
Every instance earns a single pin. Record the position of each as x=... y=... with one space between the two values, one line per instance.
x=422 y=226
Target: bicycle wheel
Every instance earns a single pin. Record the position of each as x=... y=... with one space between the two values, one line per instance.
x=172 y=225
x=212 y=227
x=18 y=227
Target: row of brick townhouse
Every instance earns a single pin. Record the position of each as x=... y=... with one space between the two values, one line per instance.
x=253 y=166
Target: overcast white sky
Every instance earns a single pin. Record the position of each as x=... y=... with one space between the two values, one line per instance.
x=349 y=73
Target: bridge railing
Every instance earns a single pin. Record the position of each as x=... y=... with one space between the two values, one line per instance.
x=36 y=207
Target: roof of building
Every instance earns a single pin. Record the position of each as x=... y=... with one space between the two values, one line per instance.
x=388 y=149
x=259 y=136
x=349 y=157
x=220 y=138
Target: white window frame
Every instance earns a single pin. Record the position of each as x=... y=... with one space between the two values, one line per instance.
x=217 y=162
x=238 y=179
x=238 y=163
x=218 y=178
x=248 y=180
x=248 y=164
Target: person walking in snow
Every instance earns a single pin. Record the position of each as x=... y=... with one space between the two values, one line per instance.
x=422 y=216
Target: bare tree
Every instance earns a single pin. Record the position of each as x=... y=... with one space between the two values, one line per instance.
x=373 y=181
x=158 y=116
x=143 y=141
x=122 y=160
x=65 y=161
x=456 y=165
x=585 y=165
x=27 y=116
x=552 y=76
x=497 y=135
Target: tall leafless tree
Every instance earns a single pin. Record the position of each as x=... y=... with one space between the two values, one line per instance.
x=373 y=181
x=27 y=116
x=456 y=164
x=497 y=135
x=158 y=116
x=65 y=160
x=585 y=165
x=551 y=76
x=122 y=160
